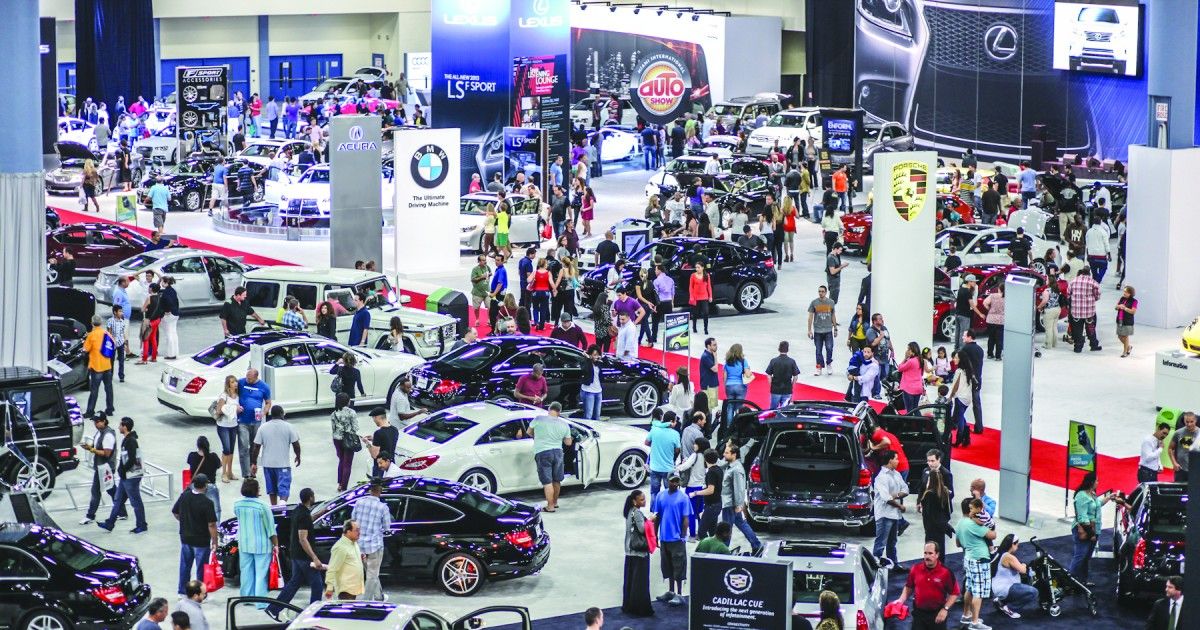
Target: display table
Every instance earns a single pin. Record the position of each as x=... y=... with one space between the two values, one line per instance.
x=1177 y=380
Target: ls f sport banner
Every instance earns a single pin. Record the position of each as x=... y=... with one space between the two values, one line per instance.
x=427 y=176
x=739 y=593
x=901 y=241
x=525 y=152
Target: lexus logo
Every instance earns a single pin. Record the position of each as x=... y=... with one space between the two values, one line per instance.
x=1000 y=42
x=540 y=7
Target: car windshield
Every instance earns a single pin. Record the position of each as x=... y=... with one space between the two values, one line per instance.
x=69 y=550
x=786 y=120
x=139 y=262
x=259 y=150
x=807 y=586
x=440 y=427
x=477 y=207
x=1168 y=515
x=871 y=132
x=1098 y=14
x=725 y=109
x=666 y=251
x=470 y=358
x=949 y=237
x=222 y=354
x=315 y=176
x=330 y=84
x=686 y=165
x=189 y=168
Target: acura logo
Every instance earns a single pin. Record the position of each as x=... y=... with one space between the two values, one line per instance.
x=1000 y=42
x=356 y=133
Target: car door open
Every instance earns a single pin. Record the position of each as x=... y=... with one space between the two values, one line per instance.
x=244 y=613
x=493 y=617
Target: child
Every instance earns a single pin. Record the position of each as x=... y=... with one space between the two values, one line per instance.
x=942 y=415
x=942 y=366
x=953 y=362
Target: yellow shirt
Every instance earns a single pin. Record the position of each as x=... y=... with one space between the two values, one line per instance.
x=345 y=573
x=91 y=344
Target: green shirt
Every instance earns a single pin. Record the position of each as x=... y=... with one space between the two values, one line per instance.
x=1087 y=508
x=480 y=275
x=712 y=544
x=972 y=537
x=256 y=525
x=549 y=433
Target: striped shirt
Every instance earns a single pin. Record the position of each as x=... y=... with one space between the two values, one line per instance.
x=256 y=525
x=374 y=519
x=117 y=328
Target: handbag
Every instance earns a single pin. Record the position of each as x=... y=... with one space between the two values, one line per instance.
x=351 y=442
x=637 y=540
x=108 y=479
x=612 y=331
x=274 y=578
x=214 y=409
x=186 y=475
x=336 y=384
x=214 y=576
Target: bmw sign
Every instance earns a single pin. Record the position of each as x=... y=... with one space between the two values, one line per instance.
x=429 y=166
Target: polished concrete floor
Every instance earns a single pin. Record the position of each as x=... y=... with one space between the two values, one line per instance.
x=585 y=566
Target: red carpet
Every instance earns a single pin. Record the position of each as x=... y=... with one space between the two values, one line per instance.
x=1049 y=459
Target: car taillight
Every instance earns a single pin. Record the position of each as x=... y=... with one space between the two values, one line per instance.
x=1139 y=554
x=446 y=386
x=767 y=415
x=755 y=473
x=864 y=478
x=110 y=595
x=66 y=454
x=521 y=539
x=769 y=263
x=419 y=463
x=862 y=621
x=194 y=386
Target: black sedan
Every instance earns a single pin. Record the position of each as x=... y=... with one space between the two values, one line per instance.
x=454 y=534
x=1148 y=540
x=740 y=276
x=51 y=580
x=489 y=368
x=751 y=193
x=190 y=183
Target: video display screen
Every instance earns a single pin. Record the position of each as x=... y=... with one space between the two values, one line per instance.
x=839 y=134
x=1103 y=37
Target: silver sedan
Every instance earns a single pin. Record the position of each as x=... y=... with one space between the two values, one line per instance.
x=203 y=279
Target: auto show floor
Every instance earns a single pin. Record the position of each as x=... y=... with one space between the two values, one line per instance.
x=1114 y=393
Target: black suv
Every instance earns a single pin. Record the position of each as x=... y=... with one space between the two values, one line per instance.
x=27 y=397
x=740 y=276
x=808 y=460
x=1148 y=541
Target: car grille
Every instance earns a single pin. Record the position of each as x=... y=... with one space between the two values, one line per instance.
x=303 y=208
x=467 y=154
x=956 y=39
x=1093 y=36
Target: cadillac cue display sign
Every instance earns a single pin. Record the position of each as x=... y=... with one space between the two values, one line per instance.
x=739 y=593
x=660 y=88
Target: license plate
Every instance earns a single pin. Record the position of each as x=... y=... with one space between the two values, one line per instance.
x=173 y=382
x=422 y=382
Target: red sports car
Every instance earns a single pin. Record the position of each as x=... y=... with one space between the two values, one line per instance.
x=990 y=278
x=95 y=245
x=856 y=226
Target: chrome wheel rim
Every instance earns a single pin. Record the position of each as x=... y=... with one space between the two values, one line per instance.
x=477 y=480
x=460 y=575
x=46 y=622
x=631 y=470
x=948 y=326
x=35 y=479
x=645 y=399
x=193 y=200
x=751 y=297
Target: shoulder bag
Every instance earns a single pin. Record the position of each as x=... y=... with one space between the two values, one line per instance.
x=637 y=540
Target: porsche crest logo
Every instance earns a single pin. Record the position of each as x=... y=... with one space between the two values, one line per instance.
x=910 y=183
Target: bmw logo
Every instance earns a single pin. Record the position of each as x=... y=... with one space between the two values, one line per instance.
x=429 y=166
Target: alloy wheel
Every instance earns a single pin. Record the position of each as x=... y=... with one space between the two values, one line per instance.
x=479 y=480
x=631 y=470
x=644 y=399
x=947 y=326
x=192 y=200
x=750 y=297
x=460 y=575
x=35 y=478
x=45 y=621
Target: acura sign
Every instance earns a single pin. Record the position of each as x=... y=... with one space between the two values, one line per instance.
x=356 y=142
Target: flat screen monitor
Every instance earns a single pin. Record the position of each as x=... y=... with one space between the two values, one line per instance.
x=1097 y=36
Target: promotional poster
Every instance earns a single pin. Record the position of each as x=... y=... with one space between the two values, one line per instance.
x=980 y=73
x=739 y=593
x=1081 y=446
x=427 y=191
x=676 y=335
x=661 y=78
x=540 y=98
x=200 y=106
x=525 y=152
x=355 y=181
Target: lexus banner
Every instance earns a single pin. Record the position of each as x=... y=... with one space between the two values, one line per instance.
x=525 y=152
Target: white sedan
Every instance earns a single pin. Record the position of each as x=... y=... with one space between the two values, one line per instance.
x=202 y=279
x=487 y=445
x=979 y=244
x=77 y=130
x=618 y=143
x=524 y=219
x=310 y=196
x=259 y=150
x=295 y=365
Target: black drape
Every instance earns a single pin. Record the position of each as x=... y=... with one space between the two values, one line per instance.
x=114 y=50
x=830 y=52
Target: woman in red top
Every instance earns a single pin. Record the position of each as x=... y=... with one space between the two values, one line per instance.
x=539 y=284
x=700 y=296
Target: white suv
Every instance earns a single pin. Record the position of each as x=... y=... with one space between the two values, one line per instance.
x=782 y=128
x=848 y=569
x=1100 y=41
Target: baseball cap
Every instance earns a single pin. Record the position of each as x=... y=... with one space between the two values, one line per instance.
x=970 y=278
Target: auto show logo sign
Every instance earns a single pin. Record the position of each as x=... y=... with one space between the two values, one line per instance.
x=660 y=87
x=745 y=593
x=356 y=185
x=910 y=184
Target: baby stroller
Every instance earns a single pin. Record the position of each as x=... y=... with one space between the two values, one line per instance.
x=1054 y=583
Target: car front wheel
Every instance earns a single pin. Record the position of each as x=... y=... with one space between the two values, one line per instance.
x=630 y=470
x=479 y=479
x=460 y=575
x=191 y=201
x=1039 y=266
x=642 y=399
x=749 y=297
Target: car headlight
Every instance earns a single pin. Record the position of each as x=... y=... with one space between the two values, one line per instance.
x=893 y=15
x=468 y=228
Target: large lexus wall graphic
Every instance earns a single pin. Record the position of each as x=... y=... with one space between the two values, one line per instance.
x=979 y=74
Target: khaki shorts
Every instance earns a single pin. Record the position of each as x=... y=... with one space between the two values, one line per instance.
x=478 y=300
x=713 y=401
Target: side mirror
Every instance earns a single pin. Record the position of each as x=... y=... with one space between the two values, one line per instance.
x=405 y=299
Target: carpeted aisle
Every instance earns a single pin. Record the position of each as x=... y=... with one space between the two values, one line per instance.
x=1074 y=609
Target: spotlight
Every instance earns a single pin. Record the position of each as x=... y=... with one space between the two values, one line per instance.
x=637 y=10
x=612 y=9
x=659 y=12
x=583 y=7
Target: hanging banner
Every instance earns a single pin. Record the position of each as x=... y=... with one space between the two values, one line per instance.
x=676 y=332
x=427 y=194
x=525 y=152
x=540 y=98
x=739 y=593
x=1081 y=446
x=660 y=87
x=201 y=93
x=356 y=189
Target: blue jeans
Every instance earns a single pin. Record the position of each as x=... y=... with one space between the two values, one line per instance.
x=843 y=200
x=95 y=380
x=824 y=341
x=131 y=490
x=658 y=480
x=818 y=212
x=697 y=509
x=738 y=520
x=1081 y=556
x=215 y=496
x=735 y=391
x=302 y=575
x=591 y=404
x=886 y=530
x=911 y=401
x=190 y=556
x=779 y=400
x=1099 y=265
x=229 y=438
x=253 y=569
x=289 y=128
x=1021 y=597
x=960 y=420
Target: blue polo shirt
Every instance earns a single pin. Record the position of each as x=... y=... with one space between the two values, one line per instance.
x=663 y=441
x=708 y=378
x=499 y=280
x=360 y=323
x=671 y=508
x=251 y=397
x=219 y=173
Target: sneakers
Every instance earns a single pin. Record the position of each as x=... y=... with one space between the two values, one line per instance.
x=666 y=597
x=1012 y=614
x=677 y=601
x=965 y=620
x=85 y=520
x=138 y=530
x=829 y=370
x=106 y=527
x=818 y=370
x=979 y=625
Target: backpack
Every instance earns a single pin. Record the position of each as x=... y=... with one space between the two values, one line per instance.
x=108 y=347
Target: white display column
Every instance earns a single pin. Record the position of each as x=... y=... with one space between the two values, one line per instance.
x=902 y=255
x=427 y=221
x=1162 y=256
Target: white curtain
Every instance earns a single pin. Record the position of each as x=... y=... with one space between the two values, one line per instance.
x=22 y=271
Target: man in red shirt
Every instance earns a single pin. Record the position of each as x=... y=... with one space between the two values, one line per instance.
x=934 y=591
x=531 y=388
x=841 y=186
x=883 y=441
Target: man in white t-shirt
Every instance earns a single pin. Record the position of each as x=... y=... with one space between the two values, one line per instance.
x=401 y=411
x=102 y=447
x=271 y=443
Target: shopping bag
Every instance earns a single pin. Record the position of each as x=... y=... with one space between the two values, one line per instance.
x=108 y=480
x=186 y=475
x=274 y=578
x=651 y=536
x=214 y=577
